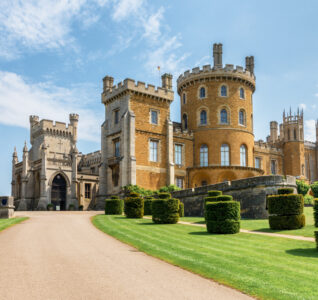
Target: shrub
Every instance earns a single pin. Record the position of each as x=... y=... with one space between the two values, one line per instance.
x=316 y=238
x=210 y=199
x=223 y=227
x=283 y=191
x=50 y=207
x=181 y=209
x=287 y=222
x=308 y=200
x=136 y=189
x=316 y=212
x=314 y=188
x=71 y=207
x=114 y=197
x=114 y=206
x=134 y=206
x=81 y=208
x=219 y=211
x=214 y=193
x=302 y=187
x=148 y=205
x=164 y=196
x=165 y=211
x=170 y=188
x=291 y=204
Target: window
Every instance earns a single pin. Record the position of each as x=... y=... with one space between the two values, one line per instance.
x=295 y=134
x=153 y=150
x=179 y=182
x=116 y=116
x=223 y=91
x=202 y=92
x=223 y=116
x=154 y=117
x=184 y=99
x=243 y=155
x=257 y=163
x=203 y=117
x=288 y=133
x=273 y=167
x=242 y=93
x=225 y=155
x=87 y=190
x=204 y=156
x=185 y=121
x=241 y=117
x=178 y=154
x=117 y=148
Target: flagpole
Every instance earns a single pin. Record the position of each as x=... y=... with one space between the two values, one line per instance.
x=159 y=74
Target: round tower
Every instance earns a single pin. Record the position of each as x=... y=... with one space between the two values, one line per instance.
x=217 y=106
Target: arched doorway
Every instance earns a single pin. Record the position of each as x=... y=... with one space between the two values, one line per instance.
x=58 y=193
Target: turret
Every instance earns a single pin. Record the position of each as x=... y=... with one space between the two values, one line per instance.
x=33 y=121
x=273 y=131
x=25 y=160
x=74 y=121
x=166 y=81
x=249 y=64
x=217 y=56
x=108 y=82
x=15 y=156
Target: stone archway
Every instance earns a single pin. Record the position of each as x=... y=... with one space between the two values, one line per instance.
x=58 y=192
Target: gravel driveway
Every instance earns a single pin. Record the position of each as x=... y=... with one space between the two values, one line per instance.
x=61 y=255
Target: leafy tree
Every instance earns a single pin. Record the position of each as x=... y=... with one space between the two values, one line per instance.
x=302 y=187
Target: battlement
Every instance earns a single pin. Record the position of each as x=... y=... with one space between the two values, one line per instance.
x=91 y=159
x=296 y=118
x=128 y=84
x=207 y=72
x=261 y=145
x=178 y=131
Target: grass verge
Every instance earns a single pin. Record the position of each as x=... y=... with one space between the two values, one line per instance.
x=5 y=223
x=261 y=266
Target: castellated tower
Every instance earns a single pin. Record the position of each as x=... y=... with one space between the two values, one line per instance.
x=293 y=144
x=217 y=106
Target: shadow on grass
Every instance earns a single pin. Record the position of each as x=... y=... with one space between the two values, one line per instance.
x=200 y=233
x=199 y=222
x=305 y=252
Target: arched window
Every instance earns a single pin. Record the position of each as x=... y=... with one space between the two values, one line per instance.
x=223 y=116
x=185 y=121
x=204 y=157
x=242 y=93
x=242 y=117
x=184 y=99
x=223 y=91
x=243 y=155
x=225 y=155
x=202 y=92
x=203 y=117
x=295 y=134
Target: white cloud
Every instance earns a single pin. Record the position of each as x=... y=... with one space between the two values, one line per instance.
x=152 y=25
x=19 y=99
x=302 y=106
x=124 y=8
x=310 y=130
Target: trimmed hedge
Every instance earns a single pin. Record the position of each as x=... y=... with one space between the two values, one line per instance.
x=114 y=206
x=114 y=197
x=302 y=187
x=316 y=237
x=164 y=196
x=284 y=191
x=316 y=212
x=181 y=209
x=314 y=188
x=223 y=227
x=220 y=211
x=148 y=205
x=210 y=199
x=287 y=222
x=165 y=211
x=224 y=198
x=214 y=193
x=308 y=200
x=134 y=206
x=291 y=204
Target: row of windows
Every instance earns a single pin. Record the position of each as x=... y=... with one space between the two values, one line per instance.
x=258 y=165
x=223 y=92
x=225 y=155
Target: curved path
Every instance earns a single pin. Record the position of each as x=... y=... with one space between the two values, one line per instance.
x=61 y=255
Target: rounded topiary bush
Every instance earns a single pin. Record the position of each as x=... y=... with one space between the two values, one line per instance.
x=286 y=211
x=165 y=211
x=314 y=189
x=223 y=227
x=220 y=211
x=302 y=187
x=164 y=196
x=148 y=205
x=114 y=206
x=114 y=197
x=283 y=191
x=224 y=198
x=134 y=206
x=181 y=210
x=214 y=193
x=308 y=200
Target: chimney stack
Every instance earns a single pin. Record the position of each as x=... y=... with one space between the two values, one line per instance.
x=217 y=56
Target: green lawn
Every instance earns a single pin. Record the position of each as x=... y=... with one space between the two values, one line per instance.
x=262 y=225
x=262 y=266
x=5 y=223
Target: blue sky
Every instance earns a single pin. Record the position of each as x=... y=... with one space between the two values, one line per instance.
x=54 y=54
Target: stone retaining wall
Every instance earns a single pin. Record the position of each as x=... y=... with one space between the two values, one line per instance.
x=251 y=192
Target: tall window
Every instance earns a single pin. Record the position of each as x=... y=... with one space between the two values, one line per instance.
x=87 y=190
x=179 y=182
x=242 y=93
x=204 y=156
x=242 y=117
x=243 y=155
x=116 y=116
x=178 y=154
x=273 y=166
x=223 y=116
x=203 y=117
x=117 y=148
x=288 y=133
x=257 y=163
x=295 y=134
x=184 y=99
x=202 y=92
x=185 y=121
x=153 y=150
x=225 y=155
x=154 y=117
x=223 y=91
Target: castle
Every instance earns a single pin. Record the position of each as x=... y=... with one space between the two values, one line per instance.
x=141 y=145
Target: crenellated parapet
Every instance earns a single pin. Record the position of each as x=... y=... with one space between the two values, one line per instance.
x=266 y=147
x=179 y=132
x=90 y=159
x=127 y=86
